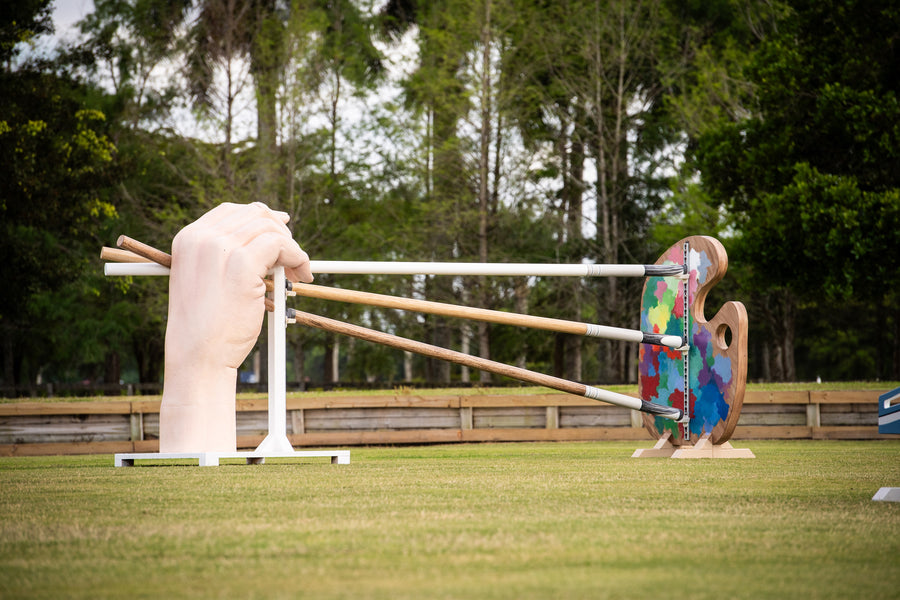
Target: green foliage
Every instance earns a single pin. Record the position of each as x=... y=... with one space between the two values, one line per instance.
x=811 y=175
x=827 y=96
x=57 y=159
x=20 y=22
x=128 y=41
x=823 y=233
x=691 y=211
x=346 y=44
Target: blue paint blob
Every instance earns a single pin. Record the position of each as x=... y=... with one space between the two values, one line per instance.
x=709 y=409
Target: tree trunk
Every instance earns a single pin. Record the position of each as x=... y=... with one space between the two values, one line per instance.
x=334 y=121
x=484 y=200
x=790 y=368
x=407 y=366
x=9 y=369
x=227 y=170
x=571 y=149
x=266 y=145
x=112 y=368
x=150 y=354
x=767 y=362
x=465 y=332
x=559 y=349
x=573 y=357
x=442 y=339
x=299 y=362
x=521 y=292
x=779 y=311
x=574 y=193
x=328 y=374
x=567 y=356
x=265 y=66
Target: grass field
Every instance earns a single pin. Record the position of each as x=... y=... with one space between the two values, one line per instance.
x=579 y=520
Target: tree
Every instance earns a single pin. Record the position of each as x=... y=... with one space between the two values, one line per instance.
x=57 y=158
x=812 y=175
x=20 y=22
x=332 y=56
x=598 y=72
x=128 y=46
x=437 y=93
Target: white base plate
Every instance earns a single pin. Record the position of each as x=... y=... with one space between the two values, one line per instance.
x=211 y=459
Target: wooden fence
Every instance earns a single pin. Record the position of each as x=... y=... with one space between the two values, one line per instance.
x=35 y=428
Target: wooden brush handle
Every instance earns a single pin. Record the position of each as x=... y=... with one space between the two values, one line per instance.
x=468 y=360
x=142 y=249
x=122 y=256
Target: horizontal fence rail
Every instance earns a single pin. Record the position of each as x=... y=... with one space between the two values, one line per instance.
x=100 y=427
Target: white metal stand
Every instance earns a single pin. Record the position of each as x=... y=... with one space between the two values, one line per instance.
x=211 y=459
x=276 y=444
x=277 y=440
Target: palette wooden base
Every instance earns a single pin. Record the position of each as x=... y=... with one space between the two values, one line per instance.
x=704 y=448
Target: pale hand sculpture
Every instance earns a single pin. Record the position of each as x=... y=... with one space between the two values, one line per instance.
x=216 y=310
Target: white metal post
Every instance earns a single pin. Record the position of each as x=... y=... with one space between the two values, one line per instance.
x=277 y=440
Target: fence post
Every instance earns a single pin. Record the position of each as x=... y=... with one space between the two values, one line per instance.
x=298 y=422
x=552 y=417
x=813 y=415
x=136 y=421
x=465 y=417
x=637 y=421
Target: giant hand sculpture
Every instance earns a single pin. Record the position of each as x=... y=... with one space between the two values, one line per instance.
x=216 y=309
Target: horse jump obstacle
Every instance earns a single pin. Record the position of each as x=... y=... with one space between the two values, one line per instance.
x=680 y=290
x=276 y=443
x=889 y=412
x=888 y=422
x=710 y=376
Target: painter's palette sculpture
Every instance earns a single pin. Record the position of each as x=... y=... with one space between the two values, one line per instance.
x=717 y=355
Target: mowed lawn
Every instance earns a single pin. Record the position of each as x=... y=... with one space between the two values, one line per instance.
x=575 y=520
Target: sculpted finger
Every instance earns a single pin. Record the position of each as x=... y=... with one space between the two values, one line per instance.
x=303 y=272
x=216 y=215
x=245 y=214
x=252 y=229
x=271 y=249
x=227 y=218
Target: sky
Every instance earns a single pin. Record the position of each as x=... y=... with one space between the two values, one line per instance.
x=68 y=12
